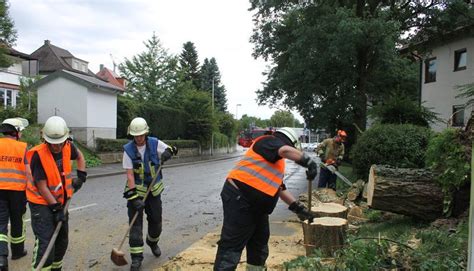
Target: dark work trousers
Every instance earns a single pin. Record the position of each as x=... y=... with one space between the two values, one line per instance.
x=327 y=179
x=13 y=208
x=42 y=222
x=243 y=227
x=153 y=210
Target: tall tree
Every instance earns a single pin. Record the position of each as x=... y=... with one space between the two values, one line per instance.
x=331 y=58
x=282 y=118
x=189 y=63
x=210 y=76
x=8 y=34
x=153 y=74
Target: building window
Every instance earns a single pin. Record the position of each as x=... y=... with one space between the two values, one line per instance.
x=460 y=60
x=458 y=116
x=430 y=70
x=8 y=97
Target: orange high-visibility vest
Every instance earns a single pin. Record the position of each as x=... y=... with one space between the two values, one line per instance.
x=12 y=165
x=258 y=173
x=54 y=182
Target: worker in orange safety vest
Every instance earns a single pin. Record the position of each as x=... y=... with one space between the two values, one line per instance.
x=13 y=177
x=51 y=187
x=251 y=192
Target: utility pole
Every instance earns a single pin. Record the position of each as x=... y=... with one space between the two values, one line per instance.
x=212 y=105
x=236 y=108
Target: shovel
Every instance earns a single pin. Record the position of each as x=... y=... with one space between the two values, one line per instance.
x=310 y=196
x=117 y=256
x=53 y=240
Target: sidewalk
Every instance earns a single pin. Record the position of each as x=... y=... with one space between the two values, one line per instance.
x=117 y=169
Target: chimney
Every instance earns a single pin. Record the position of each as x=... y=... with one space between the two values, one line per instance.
x=101 y=67
x=47 y=42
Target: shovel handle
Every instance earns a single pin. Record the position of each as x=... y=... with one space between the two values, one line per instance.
x=310 y=188
x=53 y=240
x=136 y=213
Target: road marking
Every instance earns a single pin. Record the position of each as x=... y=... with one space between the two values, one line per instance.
x=70 y=210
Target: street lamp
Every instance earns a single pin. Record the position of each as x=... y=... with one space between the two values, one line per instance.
x=236 y=108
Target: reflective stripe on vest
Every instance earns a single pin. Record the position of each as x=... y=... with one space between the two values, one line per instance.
x=54 y=181
x=12 y=165
x=258 y=173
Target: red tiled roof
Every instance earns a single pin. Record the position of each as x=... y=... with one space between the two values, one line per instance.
x=111 y=77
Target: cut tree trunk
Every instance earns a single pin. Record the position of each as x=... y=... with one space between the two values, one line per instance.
x=355 y=190
x=325 y=233
x=411 y=192
x=329 y=209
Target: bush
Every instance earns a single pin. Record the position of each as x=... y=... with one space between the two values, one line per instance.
x=402 y=145
x=446 y=156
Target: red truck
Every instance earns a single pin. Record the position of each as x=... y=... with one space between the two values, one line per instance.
x=247 y=137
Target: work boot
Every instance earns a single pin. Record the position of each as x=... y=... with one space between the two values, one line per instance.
x=3 y=263
x=136 y=264
x=16 y=256
x=155 y=249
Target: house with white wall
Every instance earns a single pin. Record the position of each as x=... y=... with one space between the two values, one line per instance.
x=22 y=65
x=448 y=63
x=69 y=89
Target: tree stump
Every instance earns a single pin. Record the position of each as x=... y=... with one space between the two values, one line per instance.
x=329 y=209
x=325 y=233
x=411 y=192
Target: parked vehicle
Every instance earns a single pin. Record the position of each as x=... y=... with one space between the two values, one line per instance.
x=247 y=137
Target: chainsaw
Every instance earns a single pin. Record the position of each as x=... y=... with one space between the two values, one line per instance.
x=329 y=165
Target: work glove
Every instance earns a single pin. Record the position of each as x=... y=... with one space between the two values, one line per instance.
x=79 y=181
x=166 y=155
x=58 y=212
x=301 y=211
x=136 y=202
x=309 y=163
x=174 y=150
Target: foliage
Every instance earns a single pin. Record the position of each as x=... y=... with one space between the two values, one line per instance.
x=282 y=118
x=222 y=140
x=164 y=122
x=92 y=160
x=8 y=34
x=227 y=125
x=447 y=157
x=151 y=75
x=400 y=109
x=402 y=145
x=388 y=245
x=28 y=102
x=189 y=63
x=210 y=76
x=200 y=121
x=127 y=109
x=31 y=135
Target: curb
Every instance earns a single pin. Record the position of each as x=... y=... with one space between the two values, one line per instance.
x=113 y=173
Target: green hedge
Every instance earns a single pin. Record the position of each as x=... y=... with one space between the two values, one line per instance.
x=116 y=145
x=164 y=122
x=402 y=145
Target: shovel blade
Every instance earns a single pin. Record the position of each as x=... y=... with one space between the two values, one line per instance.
x=118 y=257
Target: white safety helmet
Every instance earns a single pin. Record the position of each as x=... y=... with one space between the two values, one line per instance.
x=19 y=123
x=291 y=135
x=138 y=126
x=55 y=130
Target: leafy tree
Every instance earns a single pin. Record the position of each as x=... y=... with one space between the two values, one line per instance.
x=247 y=122
x=189 y=63
x=8 y=34
x=152 y=75
x=333 y=57
x=209 y=74
x=227 y=124
x=282 y=118
x=28 y=98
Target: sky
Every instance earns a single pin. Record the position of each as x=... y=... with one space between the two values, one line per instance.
x=103 y=31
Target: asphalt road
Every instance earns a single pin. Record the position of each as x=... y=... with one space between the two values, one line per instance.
x=191 y=208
